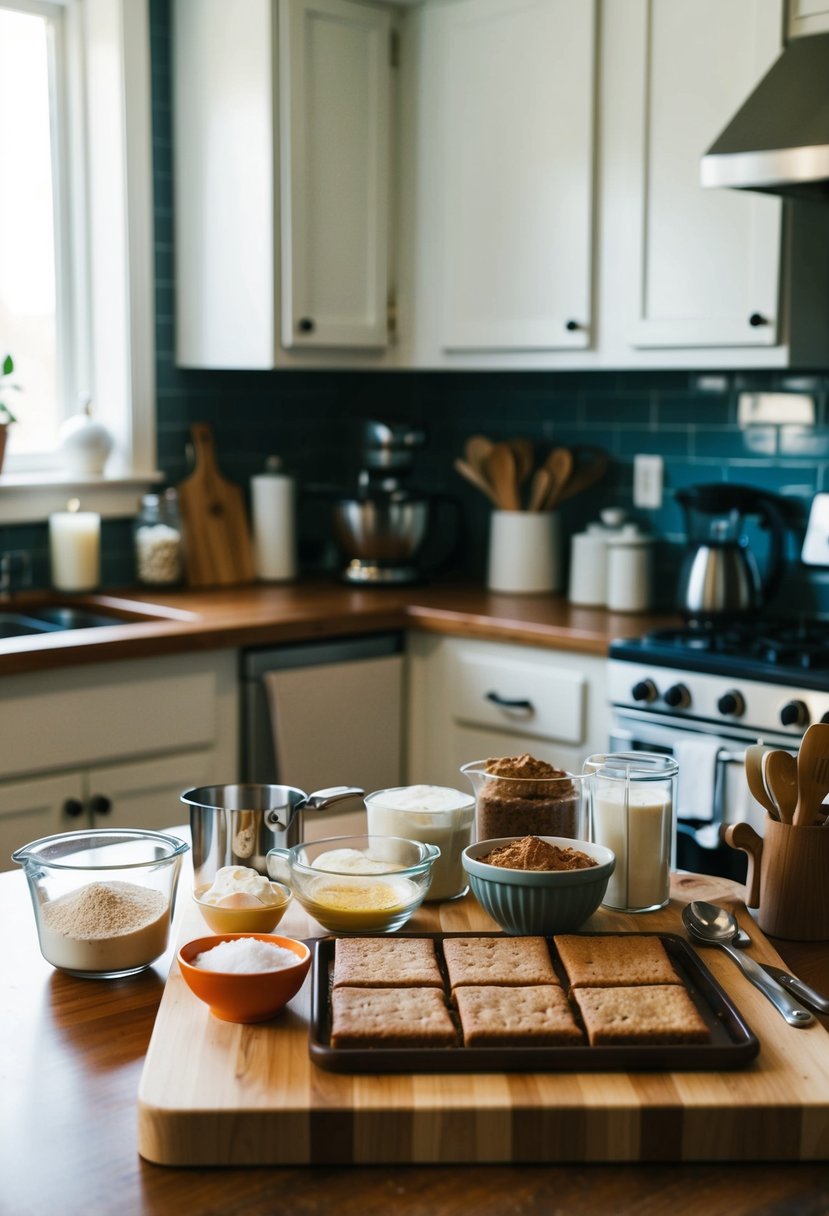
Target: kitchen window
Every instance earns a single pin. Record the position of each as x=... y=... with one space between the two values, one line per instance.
x=76 y=282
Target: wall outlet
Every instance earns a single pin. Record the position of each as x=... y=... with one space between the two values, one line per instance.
x=775 y=409
x=648 y=477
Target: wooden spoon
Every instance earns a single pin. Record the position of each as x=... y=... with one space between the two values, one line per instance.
x=586 y=474
x=476 y=479
x=780 y=779
x=754 y=777
x=500 y=472
x=812 y=774
x=539 y=489
x=559 y=465
x=476 y=449
x=522 y=450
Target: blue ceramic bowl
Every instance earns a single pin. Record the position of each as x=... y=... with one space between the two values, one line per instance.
x=539 y=901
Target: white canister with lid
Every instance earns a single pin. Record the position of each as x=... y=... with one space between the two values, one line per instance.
x=629 y=570
x=588 y=560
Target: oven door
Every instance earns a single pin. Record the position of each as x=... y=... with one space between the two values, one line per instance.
x=700 y=846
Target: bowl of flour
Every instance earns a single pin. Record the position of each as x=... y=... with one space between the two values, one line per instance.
x=103 y=899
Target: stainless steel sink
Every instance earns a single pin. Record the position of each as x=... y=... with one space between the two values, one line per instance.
x=58 y=618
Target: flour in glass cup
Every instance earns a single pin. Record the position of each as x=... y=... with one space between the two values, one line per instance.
x=104 y=927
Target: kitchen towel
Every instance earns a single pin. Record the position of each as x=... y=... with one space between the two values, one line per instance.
x=274 y=544
x=697 y=762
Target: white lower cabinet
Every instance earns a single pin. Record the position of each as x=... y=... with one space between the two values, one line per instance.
x=113 y=744
x=473 y=699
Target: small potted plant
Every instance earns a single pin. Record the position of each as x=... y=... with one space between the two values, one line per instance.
x=6 y=414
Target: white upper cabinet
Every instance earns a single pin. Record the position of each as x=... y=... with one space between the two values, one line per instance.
x=504 y=174
x=710 y=259
x=334 y=91
x=808 y=17
x=282 y=121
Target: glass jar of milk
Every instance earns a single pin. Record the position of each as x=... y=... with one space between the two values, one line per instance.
x=432 y=814
x=632 y=800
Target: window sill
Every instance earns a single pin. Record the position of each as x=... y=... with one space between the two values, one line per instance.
x=33 y=497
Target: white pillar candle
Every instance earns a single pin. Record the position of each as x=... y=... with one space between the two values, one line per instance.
x=75 y=550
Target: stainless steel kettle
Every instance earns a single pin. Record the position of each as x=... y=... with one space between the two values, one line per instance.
x=720 y=577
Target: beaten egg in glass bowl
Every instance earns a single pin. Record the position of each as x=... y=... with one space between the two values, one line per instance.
x=357 y=884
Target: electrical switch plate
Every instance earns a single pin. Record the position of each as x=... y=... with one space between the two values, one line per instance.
x=815 y=551
x=776 y=409
x=648 y=476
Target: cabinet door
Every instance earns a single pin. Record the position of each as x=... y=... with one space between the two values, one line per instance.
x=514 y=84
x=710 y=259
x=147 y=793
x=335 y=94
x=808 y=17
x=39 y=807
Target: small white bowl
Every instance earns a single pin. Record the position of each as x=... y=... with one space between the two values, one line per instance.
x=540 y=902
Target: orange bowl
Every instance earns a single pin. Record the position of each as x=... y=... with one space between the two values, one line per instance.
x=249 y=996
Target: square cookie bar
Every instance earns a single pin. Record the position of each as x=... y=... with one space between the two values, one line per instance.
x=499 y=1016
x=386 y=962
x=614 y=962
x=657 y=1013
x=498 y=960
x=390 y=1017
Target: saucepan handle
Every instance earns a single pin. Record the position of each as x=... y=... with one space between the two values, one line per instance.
x=335 y=793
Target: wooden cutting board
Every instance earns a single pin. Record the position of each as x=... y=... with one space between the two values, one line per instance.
x=218 y=547
x=218 y=1094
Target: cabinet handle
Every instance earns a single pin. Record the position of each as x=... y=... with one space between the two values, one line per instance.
x=572 y=326
x=509 y=702
x=305 y=325
x=100 y=804
x=757 y=319
x=73 y=807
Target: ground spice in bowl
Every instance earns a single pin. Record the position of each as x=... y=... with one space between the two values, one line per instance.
x=530 y=853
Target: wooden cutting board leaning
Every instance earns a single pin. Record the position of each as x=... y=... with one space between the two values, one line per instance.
x=218 y=549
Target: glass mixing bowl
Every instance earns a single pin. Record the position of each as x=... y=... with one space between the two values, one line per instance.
x=103 y=899
x=357 y=884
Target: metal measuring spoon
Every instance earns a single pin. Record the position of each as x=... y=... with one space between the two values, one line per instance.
x=715 y=926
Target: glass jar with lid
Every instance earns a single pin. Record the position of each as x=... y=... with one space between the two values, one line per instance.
x=159 y=553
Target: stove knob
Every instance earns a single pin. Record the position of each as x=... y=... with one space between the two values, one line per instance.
x=678 y=697
x=731 y=704
x=794 y=713
x=645 y=690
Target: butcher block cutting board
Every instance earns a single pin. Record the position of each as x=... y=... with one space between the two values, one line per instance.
x=218 y=548
x=213 y=1093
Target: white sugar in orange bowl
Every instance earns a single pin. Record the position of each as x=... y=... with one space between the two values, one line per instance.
x=244 y=996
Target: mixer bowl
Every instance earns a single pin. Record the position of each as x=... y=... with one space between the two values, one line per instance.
x=381 y=530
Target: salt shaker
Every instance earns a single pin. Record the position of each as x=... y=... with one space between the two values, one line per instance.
x=158 y=541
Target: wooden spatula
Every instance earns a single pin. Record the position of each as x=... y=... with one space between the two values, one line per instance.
x=780 y=778
x=559 y=466
x=218 y=547
x=500 y=471
x=754 y=777
x=812 y=774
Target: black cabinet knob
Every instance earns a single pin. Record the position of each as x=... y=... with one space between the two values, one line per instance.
x=73 y=807
x=100 y=804
x=305 y=325
x=571 y=326
x=757 y=319
x=794 y=713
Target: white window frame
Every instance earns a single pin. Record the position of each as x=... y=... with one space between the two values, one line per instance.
x=110 y=238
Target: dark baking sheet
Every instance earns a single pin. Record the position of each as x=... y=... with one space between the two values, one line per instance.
x=732 y=1043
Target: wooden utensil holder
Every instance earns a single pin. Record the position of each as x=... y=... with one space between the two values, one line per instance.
x=787 y=879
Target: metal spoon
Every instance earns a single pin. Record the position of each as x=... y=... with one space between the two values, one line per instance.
x=715 y=926
x=785 y=979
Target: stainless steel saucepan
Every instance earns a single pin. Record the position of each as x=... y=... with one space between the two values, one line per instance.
x=236 y=825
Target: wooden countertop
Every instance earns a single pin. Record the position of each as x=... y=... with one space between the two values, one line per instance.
x=258 y=615
x=72 y=1054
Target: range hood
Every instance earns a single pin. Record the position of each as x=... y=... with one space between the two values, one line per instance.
x=778 y=142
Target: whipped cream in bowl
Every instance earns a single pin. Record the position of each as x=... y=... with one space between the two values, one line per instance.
x=241 y=900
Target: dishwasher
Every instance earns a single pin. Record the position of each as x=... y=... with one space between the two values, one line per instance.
x=318 y=714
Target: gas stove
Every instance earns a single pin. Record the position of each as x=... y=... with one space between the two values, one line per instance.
x=757 y=677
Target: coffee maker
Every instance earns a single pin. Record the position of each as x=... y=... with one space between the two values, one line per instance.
x=382 y=527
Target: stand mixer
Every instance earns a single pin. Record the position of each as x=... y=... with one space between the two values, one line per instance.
x=382 y=528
